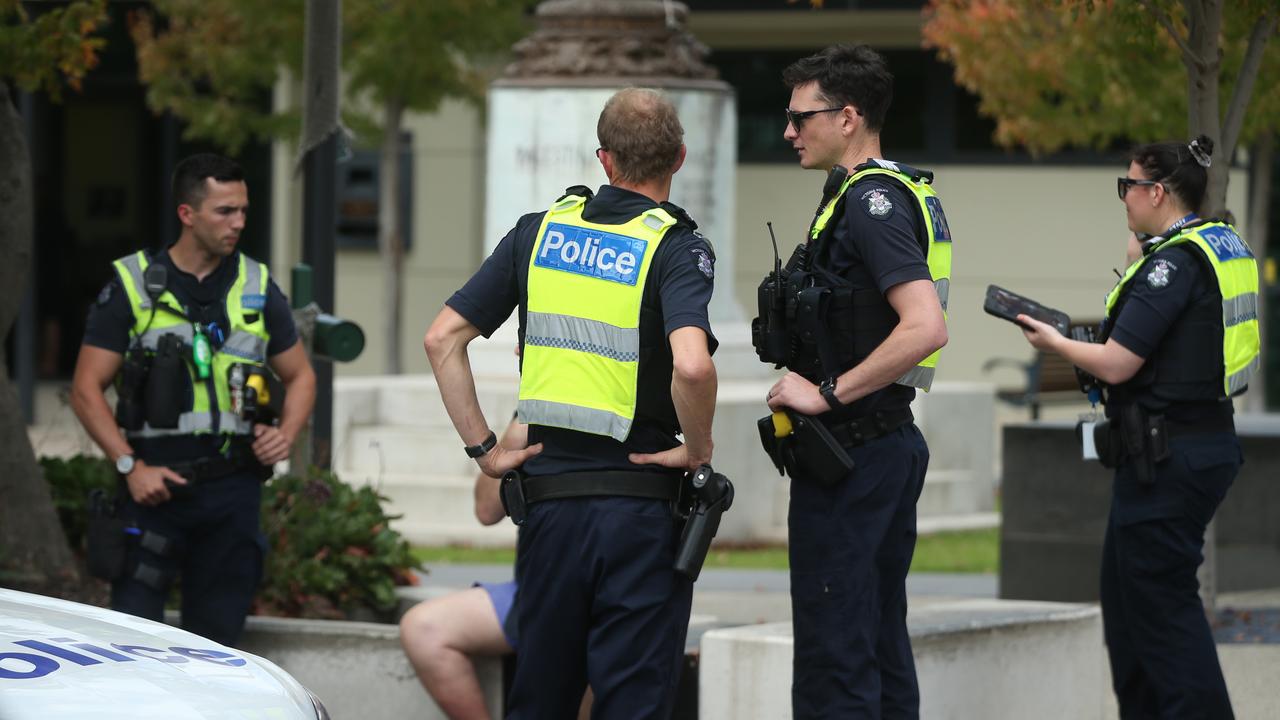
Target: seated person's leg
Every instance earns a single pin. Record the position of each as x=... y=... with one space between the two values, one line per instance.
x=438 y=636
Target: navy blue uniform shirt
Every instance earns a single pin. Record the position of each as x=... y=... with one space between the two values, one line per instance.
x=875 y=247
x=111 y=320
x=1155 y=301
x=679 y=283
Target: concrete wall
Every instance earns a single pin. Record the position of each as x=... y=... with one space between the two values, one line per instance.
x=357 y=669
x=1055 y=512
x=975 y=659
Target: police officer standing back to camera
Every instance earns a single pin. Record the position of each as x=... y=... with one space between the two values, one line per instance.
x=612 y=292
x=1180 y=339
x=857 y=317
x=188 y=334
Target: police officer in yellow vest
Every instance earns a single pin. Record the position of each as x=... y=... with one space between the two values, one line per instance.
x=612 y=292
x=858 y=322
x=183 y=332
x=1180 y=339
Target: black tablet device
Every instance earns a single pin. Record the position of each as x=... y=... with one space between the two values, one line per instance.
x=1009 y=305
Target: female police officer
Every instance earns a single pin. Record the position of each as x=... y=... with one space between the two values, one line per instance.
x=1180 y=339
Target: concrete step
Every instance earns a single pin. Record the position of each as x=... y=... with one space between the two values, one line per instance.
x=374 y=451
x=435 y=509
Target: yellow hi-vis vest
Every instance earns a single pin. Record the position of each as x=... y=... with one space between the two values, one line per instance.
x=582 y=324
x=938 y=256
x=246 y=342
x=1236 y=272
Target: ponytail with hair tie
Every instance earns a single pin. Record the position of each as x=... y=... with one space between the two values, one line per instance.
x=1202 y=149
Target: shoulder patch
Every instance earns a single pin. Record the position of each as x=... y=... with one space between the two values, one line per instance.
x=1161 y=273
x=105 y=294
x=876 y=203
x=704 y=261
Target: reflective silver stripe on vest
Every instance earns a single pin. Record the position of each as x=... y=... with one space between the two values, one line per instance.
x=1241 y=308
x=1240 y=380
x=245 y=345
x=193 y=422
x=134 y=267
x=151 y=338
x=574 y=417
x=253 y=276
x=919 y=377
x=589 y=336
x=943 y=287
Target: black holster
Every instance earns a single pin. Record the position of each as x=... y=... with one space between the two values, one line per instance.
x=712 y=494
x=809 y=452
x=1136 y=435
x=106 y=541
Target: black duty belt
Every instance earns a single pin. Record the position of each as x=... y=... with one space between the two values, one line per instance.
x=607 y=483
x=869 y=427
x=211 y=468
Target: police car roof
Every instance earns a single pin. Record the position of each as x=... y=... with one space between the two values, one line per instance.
x=60 y=659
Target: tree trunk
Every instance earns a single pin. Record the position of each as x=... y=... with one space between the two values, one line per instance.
x=1203 y=60
x=390 y=234
x=1260 y=171
x=34 y=554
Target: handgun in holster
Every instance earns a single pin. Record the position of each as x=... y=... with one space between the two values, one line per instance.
x=802 y=447
x=711 y=494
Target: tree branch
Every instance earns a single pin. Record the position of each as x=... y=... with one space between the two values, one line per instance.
x=1263 y=29
x=1166 y=22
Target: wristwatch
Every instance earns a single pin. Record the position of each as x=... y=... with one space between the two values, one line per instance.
x=475 y=451
x=124 y=464
x=828 y=390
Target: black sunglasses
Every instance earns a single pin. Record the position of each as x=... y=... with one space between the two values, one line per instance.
x=797 y=118
x=1123 y=184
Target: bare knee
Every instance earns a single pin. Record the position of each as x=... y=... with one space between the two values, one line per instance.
x=424 y=633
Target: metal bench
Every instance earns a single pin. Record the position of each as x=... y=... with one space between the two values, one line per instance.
x=1049 y=378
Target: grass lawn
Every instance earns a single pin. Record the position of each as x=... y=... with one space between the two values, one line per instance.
x=968 y=551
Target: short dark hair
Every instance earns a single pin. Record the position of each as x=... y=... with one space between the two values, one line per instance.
x=1174 y=165
x=189 y=176
x=641 y=130
x=847 y=75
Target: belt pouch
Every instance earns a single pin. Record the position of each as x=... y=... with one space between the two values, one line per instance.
x=511 y=492
x=165 y=383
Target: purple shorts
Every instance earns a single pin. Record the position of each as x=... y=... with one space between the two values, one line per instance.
x=503 y=597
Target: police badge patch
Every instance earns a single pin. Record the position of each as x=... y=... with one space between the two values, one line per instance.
x=706 y=265
x=878 y=204
x=105 y=294
x=1161 y=273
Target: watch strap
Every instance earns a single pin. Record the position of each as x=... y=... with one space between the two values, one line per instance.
x=828 y=391
x=475 y=451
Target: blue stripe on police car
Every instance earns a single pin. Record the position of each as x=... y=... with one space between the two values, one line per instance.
x=593 y=253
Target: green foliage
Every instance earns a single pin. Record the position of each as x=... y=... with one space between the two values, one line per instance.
x=1090 y=72
x=70 y=481
x=43 y=51
x=214 y=63
x=332 y=551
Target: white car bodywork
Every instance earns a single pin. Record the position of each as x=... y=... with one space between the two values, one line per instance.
x=61 y=660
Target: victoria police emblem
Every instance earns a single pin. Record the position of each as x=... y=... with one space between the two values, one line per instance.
x=878 y=205
x=1161 y=273
x=705 y=264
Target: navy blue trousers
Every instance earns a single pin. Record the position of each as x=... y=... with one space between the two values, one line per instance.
x=1163 y=660
x=598 y=602
x=217 y=551
x=851 y=545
